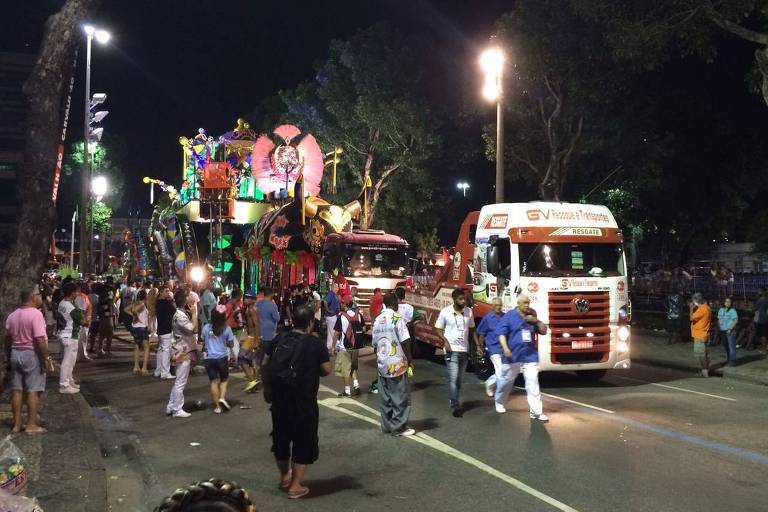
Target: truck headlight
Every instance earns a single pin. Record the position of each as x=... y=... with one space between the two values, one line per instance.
x=623 y=333
x=623 y=313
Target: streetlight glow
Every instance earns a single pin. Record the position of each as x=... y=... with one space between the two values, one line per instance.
x=463 y=186
x=492 y=61
x=89 y=30
x=491 y=90
x=99 y=186
x=197 y=274
x=102 y=36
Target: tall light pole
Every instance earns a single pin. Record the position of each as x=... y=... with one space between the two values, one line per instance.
x=102 y=36
x=463 y=186
x=492 y=62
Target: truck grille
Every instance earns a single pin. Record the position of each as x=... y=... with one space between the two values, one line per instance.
x=571 y=326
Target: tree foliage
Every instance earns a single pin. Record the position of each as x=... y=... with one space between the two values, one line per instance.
x=368 y=98
x=107 y=159
x=99 y=219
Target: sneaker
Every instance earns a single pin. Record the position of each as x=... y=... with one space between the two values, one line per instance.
x=355 y=392
x=541 y=417
x=344 y=395
x=375 y=391
x=224 y=404
x=181 y=413
x=68 y=390
x=500 y=408
x=405 y=432
x=489 y=391
x=217 y=410
x=167 y=377
x=251 y=386
x=73 y=385
x=457 y=412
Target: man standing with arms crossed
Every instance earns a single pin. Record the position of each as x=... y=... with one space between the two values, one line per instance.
x=455 y=325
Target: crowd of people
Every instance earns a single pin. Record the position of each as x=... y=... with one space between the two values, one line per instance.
x=277 y=343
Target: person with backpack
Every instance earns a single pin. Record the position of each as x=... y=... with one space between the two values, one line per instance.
x=349 y=336
x=291 y=377
x=393 y=358
x=218 y=339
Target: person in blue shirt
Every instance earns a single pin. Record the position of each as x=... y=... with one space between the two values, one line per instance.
x=332 y=310
x=485 y=336
x=727 y=318
x=516 y=333
x=269 y=318
x=218 y=339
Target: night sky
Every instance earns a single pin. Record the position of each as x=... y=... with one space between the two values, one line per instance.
x=175 y=66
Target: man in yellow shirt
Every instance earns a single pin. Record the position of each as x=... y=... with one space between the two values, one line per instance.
x=701 y=317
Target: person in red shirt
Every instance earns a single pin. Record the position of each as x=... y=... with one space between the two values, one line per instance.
x=377 y=303
x=236 y=321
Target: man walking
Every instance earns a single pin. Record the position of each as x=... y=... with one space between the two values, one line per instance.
x=701 y=318
x=69 y=320
x=393 y=360
x=485 y=337
x=727 y=318
x=517 y=334
x=348 y=327
x=291 y=376
x=455 y=325
x=26 y=348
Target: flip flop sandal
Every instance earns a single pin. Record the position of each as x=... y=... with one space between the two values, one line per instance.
x=297 y=495
x=41 y=430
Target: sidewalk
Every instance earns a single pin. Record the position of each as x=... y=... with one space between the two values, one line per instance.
x=650 y=347
x=66 y=471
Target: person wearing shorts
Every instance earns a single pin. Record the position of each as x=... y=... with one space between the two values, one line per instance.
x=218 y=340
x=26 y=347
x=140 y=332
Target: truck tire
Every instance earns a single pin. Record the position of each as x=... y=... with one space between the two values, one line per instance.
x=423 y=350
x=591 y=375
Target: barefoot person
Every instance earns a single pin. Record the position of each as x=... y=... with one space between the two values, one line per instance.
x=26 y=347
x=291 y=374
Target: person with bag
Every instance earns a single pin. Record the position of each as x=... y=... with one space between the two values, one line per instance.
x=348 y=340
x=69 y=319
x=183 y=351
x=140 y=333
x=393 y=358
x=291 y=376
x=218 y=339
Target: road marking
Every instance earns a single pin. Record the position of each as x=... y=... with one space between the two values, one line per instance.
x=676 y=388
x=431 y=442
x=596 y=408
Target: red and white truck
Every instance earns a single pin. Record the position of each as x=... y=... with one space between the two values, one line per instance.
x=567 y=258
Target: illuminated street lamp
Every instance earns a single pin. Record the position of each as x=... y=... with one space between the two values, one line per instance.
x=99 y=187
x=463 y=186
x=90 y=135
x=492 y=63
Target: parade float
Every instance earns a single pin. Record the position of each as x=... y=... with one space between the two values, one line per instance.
x=249 y=213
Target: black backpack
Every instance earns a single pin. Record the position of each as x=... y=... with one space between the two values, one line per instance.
x=284 y=365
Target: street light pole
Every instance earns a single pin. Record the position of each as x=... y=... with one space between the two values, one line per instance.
x=492 y=62
x=85 y=178
x=499 y=146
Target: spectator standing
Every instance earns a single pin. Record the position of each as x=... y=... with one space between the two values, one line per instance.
x=152 y=293
x=455 y=325
x=269 y=319
x=701 y=318
x=332 y=309
x=376 y=304
x=250 y=349
x=83 y=303
x=105 y=305
x=140 y=332
x=761 y=321
x=26 y=348
x=218 y=339
x=393 y=361
x=292 y=372
x=727 y=319
x=165 y=309
x=208 y=303
x=236 y=322
x=69 y=321
x=183 y=350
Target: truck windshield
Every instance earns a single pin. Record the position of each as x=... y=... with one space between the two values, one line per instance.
x=375 y=261
x=579 y=259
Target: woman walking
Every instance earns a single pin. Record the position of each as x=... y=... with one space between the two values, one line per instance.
x=219 y=339
x=183 y=350
x=140 y=332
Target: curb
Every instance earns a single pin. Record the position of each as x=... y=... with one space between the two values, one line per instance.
x=97 y=477
x=720 y=372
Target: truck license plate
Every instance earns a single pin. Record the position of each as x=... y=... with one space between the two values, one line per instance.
x=581 y=344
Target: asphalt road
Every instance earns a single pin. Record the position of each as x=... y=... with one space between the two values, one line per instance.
x=642 y=439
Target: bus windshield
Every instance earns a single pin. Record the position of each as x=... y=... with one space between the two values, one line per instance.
x=375 y=260
x=577 y=259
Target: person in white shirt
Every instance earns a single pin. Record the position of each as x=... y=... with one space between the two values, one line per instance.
x=455 y=326
x=393 y=360
x=348 y=327
x=183 y=349
x=69 y=319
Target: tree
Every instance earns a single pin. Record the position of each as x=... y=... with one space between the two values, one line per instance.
x=557 y=71
x=44 y=90
x=101 y=215
x=107 y=159
x=368 y=98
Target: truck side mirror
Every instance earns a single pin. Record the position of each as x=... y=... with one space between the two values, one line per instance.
x=492 y=255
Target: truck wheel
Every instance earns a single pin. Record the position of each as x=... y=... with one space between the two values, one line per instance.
x=592 y=375
x=423 y=350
